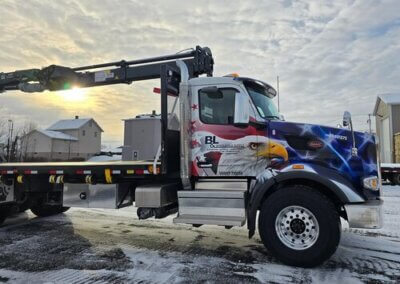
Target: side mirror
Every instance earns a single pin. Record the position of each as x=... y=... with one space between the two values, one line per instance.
x=242 y=109
x=348 y=123
x=346 y=119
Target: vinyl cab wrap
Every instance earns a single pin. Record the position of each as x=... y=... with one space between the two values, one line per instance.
x=321 y=146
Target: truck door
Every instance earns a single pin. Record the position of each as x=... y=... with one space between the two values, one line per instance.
x=220 y=148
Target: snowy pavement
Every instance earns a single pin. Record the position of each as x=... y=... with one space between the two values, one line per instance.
x=101 y=246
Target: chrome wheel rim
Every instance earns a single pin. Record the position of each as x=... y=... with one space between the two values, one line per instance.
x=297 y=227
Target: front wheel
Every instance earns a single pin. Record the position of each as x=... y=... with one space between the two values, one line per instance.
x=299 y=226
x=46 y=210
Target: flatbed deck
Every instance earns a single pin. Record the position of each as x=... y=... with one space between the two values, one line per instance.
x=83 y=168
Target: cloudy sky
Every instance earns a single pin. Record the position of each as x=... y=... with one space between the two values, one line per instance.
x=330 y=56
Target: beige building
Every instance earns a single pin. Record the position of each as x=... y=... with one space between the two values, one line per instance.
x=64 y=140
x=387 y=113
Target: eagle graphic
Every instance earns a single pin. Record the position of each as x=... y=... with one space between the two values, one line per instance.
x=246 y=156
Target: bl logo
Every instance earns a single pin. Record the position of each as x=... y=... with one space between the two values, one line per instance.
x=211 y=140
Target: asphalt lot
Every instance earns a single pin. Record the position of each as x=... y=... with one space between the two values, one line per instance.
x=109 y=246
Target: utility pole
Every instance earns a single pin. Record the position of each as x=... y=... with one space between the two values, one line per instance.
x=369 y=123
x=277 y=88
x=10 y=134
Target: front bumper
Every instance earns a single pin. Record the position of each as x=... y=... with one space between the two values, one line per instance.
x=367 y=215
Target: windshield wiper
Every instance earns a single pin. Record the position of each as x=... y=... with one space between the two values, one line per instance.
x=272 y=116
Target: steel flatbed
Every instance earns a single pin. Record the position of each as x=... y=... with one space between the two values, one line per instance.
x=123 y=168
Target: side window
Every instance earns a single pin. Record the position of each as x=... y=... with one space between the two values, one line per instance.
x=217 y=106
x=83 y=132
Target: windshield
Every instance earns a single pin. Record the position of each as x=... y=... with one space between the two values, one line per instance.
x=264 y=104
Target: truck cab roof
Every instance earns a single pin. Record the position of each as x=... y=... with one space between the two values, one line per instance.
x=201 y=81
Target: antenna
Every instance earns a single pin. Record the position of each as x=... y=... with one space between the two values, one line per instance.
x=277 y=88
x=369 y=123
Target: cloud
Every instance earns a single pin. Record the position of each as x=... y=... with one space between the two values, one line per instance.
x=331 y=56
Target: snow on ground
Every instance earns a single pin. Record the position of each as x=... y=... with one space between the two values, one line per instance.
x=109 y=246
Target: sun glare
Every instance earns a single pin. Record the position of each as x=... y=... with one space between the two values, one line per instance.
x=73 y=95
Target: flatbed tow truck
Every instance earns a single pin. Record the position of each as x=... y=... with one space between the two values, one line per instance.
x=391 y=172
x=225 y=157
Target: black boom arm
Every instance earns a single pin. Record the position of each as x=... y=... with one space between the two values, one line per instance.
x=54 y=78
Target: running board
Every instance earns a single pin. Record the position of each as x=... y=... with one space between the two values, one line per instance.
x=211 y=207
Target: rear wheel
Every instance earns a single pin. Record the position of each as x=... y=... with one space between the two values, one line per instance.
x=47 y=210
x=299 y=226
x=2 y=218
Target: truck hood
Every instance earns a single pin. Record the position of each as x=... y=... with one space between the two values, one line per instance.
x=327 y=146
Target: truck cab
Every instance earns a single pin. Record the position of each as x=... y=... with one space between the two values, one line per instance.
x=229 y=127
x=240 y=144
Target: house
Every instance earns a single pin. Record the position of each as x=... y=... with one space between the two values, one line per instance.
x=64 y=140
x=387 y=114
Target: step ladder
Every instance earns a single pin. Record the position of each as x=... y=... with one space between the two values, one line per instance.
x=212 y=207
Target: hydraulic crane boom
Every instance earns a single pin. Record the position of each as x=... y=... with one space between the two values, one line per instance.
x=54 y=78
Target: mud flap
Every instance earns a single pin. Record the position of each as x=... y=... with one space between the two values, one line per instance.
x=7 y=193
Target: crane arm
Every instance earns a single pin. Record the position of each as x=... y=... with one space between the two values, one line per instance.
x=54 y=78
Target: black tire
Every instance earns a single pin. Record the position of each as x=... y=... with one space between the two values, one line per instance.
x=2 y=218
x=392 y=180
x=395 y=179
x=44 y=210
x=326 y=216
x=23 y=207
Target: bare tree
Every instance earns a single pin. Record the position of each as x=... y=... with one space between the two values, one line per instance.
x=15 y=148
x=24 y=141
x=3 y=140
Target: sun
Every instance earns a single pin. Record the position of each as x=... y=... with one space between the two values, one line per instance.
x=74 y=95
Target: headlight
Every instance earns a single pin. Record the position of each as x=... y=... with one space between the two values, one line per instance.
x=371 y=183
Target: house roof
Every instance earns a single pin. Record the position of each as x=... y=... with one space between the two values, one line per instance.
x=72 y=124
x=57 y=135
x=388 y=98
